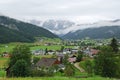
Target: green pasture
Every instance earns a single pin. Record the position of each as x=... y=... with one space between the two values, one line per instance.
x=3 y=62
x=2 y=73
x=52 y=47
x=58 y=78
x=9 y=47
x=82 y=63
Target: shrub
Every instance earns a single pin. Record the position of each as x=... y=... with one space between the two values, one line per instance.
x=89 y=67
x=69 y=70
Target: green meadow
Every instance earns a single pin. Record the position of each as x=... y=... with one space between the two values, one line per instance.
x=57 y=78
x=3 y=63
x=52 y=47
x=9 y=47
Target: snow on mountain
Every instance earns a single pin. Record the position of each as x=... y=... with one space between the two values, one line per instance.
x=94 y=25
x=58 y=27
x=61 y=27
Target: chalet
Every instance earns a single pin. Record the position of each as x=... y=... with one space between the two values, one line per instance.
x=67 y=51
x=59 y=52
x=51 y=52
x=38 y=52
x=74 y=51
x=60 y=57
x=72 y=59
x=5 y=54
x=94 y=52
x=90 y=52
x=47 y=62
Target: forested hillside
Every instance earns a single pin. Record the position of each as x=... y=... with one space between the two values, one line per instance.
x=95 y=33
x=12 y=30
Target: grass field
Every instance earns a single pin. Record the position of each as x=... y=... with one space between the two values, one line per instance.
x=82 y=63
x=58 y=78
x=52 y=47
x=9 y=47
x=2 y=73
x=3 y=62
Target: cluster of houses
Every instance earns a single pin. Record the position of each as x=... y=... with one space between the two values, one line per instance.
x=60 y=55
x=50 y=52
x=47 y=62
x=70 y=51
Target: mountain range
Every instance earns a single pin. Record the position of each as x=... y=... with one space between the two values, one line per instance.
x=12 y=30
x=99 y=30
x=72 y=30
x=58 y=27
x=103 y=32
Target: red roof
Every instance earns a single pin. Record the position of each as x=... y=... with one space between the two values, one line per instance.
x=94 y=51
x=72 y=59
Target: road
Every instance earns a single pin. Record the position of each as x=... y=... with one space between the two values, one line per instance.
x=78 y=67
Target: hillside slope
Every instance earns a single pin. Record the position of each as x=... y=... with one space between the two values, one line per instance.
x=95 y=33
x=12 y=30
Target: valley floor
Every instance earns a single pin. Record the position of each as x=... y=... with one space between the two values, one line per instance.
x=57 y=78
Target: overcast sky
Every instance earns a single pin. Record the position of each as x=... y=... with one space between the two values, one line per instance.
x=83 y=11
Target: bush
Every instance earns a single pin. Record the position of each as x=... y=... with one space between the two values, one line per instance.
x=89 y=67
x=106 y=63
x=35 y=59
x=20 y=61
x=20 y=69
x=37 y=73
x=69 y=70
x=80 y=56
x=43 y=72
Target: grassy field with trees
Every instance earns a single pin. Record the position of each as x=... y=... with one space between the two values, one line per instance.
x=104 y=66
x=57 y=78
x=33 y=46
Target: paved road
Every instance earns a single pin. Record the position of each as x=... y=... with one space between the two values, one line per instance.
x=78 y=67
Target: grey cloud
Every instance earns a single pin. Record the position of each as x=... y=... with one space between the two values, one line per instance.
x=61 y=8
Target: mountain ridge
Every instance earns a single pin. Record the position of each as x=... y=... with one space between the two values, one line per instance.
x=26 y=32
x=55 y=26
x=71 y=26
x=103 y=32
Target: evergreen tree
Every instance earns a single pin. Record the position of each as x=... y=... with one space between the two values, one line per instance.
x=114 y=45
x=118 y=67
x=69 y=70
x=105 y=63
x=80 y=56
x=35 y=59
x=65 y=59
x=20 y=69
x=20 y=57
x=62 y=48
x=46 y=51
x=89 y=67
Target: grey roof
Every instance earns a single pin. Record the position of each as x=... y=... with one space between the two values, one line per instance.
x=61 y=66
x=46 y=62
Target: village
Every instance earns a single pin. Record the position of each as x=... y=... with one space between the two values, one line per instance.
x=47 y=58
x=72 y=55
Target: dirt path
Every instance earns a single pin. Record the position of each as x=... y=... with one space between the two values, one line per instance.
x=78 y=67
